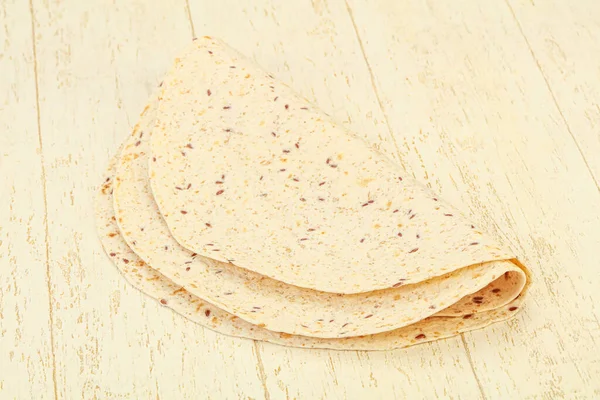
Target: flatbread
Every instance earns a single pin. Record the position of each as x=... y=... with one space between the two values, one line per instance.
x=278 y=306
x=245 y=171
x=146 y=279
x=242 y=207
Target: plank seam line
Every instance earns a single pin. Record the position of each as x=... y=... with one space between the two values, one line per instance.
x=468 y=352
x=261 y=368
x=372 y=78
x=45 y=198
x=564 y=119
x=189 y=14
x=261 y=371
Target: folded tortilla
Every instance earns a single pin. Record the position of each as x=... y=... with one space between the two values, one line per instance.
x=235 y=196
x=274 y=304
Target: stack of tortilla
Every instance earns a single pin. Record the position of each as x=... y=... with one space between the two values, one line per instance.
x=241 y=206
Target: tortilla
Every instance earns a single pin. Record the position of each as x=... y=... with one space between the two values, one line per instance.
x=245 y=171
x=146 y=279
x=245 y=209
x=276 y=305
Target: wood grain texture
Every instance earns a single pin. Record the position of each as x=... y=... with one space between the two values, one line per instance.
x=26 y=354
x=564 y=39
x=492 y=104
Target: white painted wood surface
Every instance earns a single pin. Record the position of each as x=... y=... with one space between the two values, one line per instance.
x=496 y=105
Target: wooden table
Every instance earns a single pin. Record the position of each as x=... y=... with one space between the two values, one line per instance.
x=495 y=105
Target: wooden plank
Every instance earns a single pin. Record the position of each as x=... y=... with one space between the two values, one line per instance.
x=25 y=343
x=475 y=119
x=313 y=48
x=564 y=38
x=97 y=65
